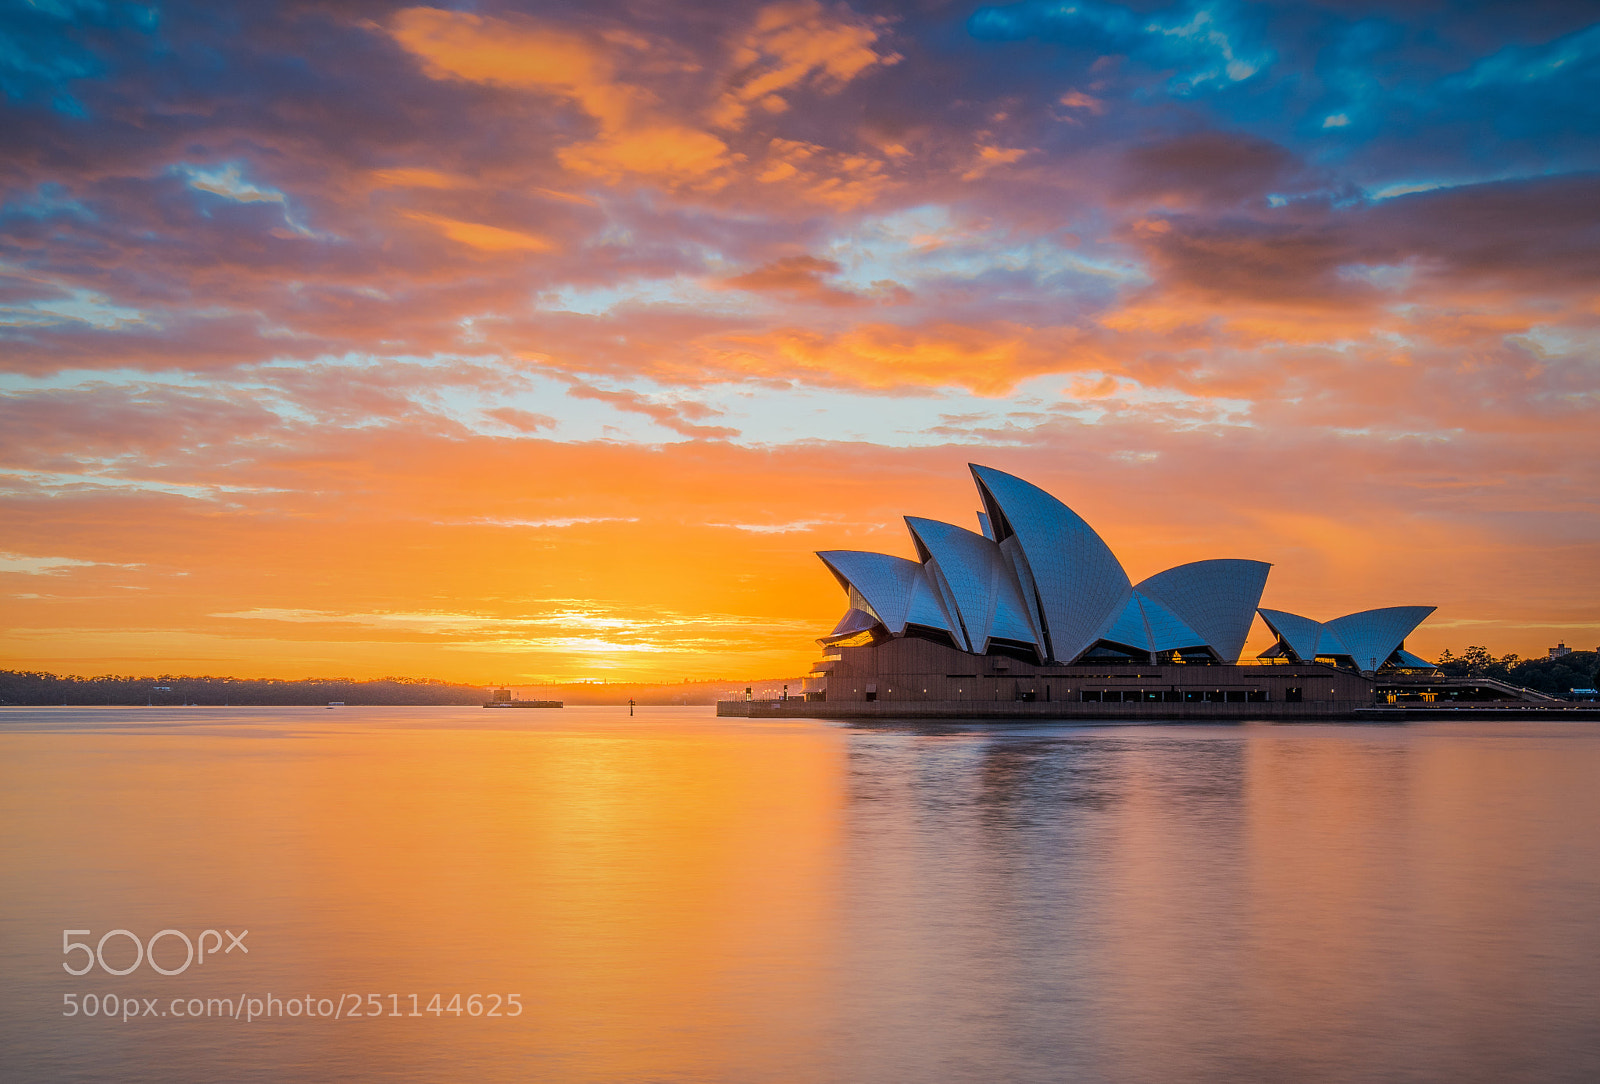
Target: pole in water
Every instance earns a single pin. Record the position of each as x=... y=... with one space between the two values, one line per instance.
x=630 y=707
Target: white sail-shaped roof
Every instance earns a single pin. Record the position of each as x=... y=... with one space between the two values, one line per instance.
x=1371 y=636
x=1147 y=625
x=977 y=582
x=1129 y=628
x=927 y=609
x=1299 y=633
x=1081 y=587
x=1367 y=638
x=1217 y=599
x=884 y=583
x=1168 y=631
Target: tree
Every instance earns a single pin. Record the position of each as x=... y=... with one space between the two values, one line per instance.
x=1557 y=677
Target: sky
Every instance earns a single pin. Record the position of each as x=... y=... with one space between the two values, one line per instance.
x=547 y=341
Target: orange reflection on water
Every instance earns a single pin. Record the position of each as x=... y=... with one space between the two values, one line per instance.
x=656 y=896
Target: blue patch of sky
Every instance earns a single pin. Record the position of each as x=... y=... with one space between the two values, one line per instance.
x=41 y=50
x=925 y=245
x=577 y=419
x=71 y=379
x=1389 y=100
x=1573 y=56
x=226 y=180
x=77 y=306
x=1392 y=103
x=37 y=64
x=909 y=247
x=46 y=201
x=56 y=483
x=1381 y=276
x=1560 y=343
x=768 y=416
x=1205 y=46
x=674 y=291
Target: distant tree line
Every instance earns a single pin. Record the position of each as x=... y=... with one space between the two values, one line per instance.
x=1557 y=677
x=23 y=688
x=35 y=688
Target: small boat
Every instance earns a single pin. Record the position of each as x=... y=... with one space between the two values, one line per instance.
x=502 y=698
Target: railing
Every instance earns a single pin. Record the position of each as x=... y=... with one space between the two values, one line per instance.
x=1519 y=690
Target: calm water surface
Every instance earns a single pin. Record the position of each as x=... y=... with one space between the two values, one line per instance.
x=677 y=898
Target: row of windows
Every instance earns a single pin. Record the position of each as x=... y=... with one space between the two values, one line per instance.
x=1135 y=696
x=1179 y=696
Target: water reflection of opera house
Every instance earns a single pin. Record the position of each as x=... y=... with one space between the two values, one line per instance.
x=1032 y=615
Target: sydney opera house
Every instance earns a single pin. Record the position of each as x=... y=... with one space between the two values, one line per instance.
x=1033 y=615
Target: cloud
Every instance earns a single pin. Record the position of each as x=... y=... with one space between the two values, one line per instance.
x=840 y=180
x=485 y=237
x=524 y=421
x=521 y=53
x=40 y=566
x=1209 y=168
x=556 y=522
x=673 y=414
x=415 y=177
x=1077 y=99
x=990 y=158
x=633 y=136
x=794 y=44
x=799 y=277
x=774 y=528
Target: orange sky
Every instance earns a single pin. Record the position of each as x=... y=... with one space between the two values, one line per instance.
x=498 y=346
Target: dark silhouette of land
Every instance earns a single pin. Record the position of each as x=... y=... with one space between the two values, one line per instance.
x=1556 y=676
x=21 y=688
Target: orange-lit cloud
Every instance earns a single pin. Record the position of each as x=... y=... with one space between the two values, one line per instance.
x=480 y=235
x=793 y=43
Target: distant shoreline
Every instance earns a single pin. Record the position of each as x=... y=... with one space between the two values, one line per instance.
x=20 y=688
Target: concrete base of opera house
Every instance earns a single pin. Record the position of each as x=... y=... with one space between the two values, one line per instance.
x=1137 y=714
x=916 y=679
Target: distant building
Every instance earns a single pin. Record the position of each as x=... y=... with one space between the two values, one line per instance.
x=1560 y=650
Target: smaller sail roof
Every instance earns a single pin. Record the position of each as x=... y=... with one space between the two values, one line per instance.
x=885 y=583
x=1371 y=636
x=1367 y=638
x=1298 y=633
x=892 y=589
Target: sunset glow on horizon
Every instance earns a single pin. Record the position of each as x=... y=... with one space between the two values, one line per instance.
x=530 y=343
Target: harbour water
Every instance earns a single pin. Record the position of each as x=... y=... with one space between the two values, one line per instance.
x=674 y=897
